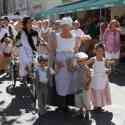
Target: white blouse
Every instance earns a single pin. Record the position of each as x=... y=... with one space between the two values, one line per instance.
x=64 y=45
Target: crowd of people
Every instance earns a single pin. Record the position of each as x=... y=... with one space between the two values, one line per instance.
x=68 y=60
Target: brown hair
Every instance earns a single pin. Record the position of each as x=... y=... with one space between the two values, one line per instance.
x=99 y=45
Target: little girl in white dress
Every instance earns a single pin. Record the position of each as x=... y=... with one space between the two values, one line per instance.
x=100 y=84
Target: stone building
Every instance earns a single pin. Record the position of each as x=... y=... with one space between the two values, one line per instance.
x=43 y=5
x=1 y=7
x=12 y=6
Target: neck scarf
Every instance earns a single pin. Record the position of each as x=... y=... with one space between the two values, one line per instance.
x=30 y=39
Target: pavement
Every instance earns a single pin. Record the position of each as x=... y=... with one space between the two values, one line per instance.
x=16 y=108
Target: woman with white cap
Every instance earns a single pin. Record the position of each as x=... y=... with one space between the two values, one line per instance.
x=65 y=46
x=84 y=38
x=45 y=30
x=77 y=30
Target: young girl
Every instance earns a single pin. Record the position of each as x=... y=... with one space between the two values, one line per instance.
x=100 y=84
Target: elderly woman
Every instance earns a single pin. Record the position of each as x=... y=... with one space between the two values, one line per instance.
x=66 y=44
x=111 y=40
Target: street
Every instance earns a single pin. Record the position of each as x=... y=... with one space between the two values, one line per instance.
x=15 y=108
x=46 y=50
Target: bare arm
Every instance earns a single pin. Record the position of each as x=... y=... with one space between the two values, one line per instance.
x=90 y=62
x=78 y=44
x=87 y=79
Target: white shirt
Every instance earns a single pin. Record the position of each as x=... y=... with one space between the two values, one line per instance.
x=42 y=75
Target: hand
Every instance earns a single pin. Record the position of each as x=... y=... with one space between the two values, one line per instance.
x=87 y=87
x=58 y=66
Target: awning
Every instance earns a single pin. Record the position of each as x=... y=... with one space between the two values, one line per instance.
x=66 y=8
x=106 y=4
x=83 y=5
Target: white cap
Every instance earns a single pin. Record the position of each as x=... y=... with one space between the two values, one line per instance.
x=81 y=55
x=46 y=20
x=67 y=21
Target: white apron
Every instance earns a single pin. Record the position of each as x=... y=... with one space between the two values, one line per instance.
x=99 y=78
x=64 y=51
x=25 y=54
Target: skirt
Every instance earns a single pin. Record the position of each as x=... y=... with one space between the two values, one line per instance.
x=101 y=98
x=64 y=85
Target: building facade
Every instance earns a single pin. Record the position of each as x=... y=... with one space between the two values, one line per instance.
x=1 y=7
x=43 y=5
x=11 y=6
x=24 y=6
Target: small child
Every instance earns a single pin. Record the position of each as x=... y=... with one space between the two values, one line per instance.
x=83 y=80
x=6 y=47
x=43 y=83
x=100 y=84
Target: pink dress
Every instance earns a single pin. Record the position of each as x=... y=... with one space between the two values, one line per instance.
x=112 y=44
x=100 y=85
